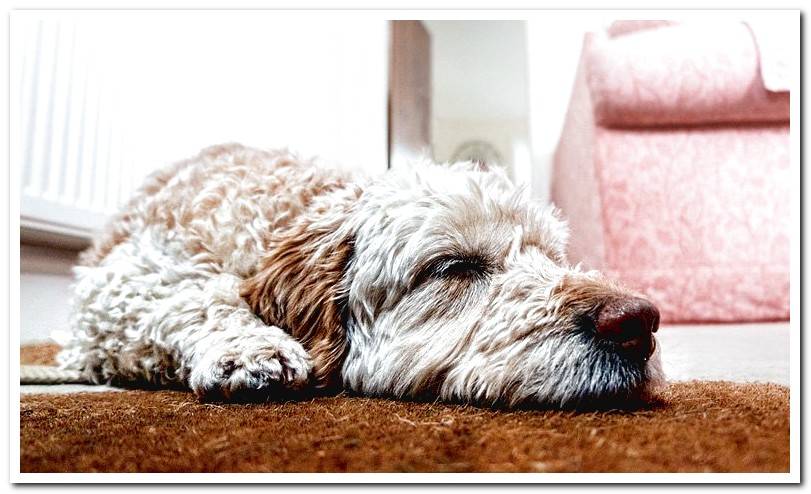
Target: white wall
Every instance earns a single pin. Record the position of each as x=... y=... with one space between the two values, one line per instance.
x=100 y=99
x=479 y=88
x=45 y=278
x=554 y=43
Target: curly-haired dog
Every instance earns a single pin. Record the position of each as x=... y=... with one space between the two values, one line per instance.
x=250 y=273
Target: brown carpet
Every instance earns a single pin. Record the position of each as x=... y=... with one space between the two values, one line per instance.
x=697 y=427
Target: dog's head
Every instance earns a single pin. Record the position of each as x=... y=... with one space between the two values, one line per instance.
x=447 y=281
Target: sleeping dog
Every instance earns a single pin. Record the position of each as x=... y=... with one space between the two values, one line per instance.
x=249 y=273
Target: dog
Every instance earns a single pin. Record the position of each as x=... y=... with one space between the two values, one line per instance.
x=253 y=273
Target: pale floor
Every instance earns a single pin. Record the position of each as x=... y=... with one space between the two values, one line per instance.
x=729 y=352
x=722 y=352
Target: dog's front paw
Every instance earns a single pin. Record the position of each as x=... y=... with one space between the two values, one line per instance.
x=251 y=373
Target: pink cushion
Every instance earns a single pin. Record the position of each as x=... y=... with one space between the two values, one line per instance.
x=681 y=74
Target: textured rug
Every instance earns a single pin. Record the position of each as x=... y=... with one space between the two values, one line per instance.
x=695 y=427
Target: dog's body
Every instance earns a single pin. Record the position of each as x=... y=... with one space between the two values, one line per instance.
x=247 y=272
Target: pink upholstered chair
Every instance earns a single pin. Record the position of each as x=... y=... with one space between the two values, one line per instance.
x=673 y=170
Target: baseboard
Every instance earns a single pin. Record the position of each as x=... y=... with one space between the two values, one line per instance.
x=75 y=241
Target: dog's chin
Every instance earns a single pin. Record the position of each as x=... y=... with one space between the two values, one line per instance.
x=596 y=379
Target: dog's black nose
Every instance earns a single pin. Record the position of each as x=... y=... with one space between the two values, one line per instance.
x=629 y=322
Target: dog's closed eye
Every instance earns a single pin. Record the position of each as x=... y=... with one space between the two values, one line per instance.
x=460 y=267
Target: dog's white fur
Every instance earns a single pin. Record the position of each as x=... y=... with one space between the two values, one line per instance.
x=245 y=272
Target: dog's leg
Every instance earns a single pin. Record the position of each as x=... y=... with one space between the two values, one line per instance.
x=142 y=316
x=239 y=356
x=225 y=349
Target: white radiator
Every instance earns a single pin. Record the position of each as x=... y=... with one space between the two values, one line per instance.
x=73 y=167
x=99 y=100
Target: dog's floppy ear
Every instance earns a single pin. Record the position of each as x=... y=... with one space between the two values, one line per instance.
x=299 y=286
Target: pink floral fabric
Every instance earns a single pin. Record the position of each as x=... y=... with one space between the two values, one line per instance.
x=695 y=217
x=681 y=74
x=699 y=218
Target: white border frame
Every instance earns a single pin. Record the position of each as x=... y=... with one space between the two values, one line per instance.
x=792 y=477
